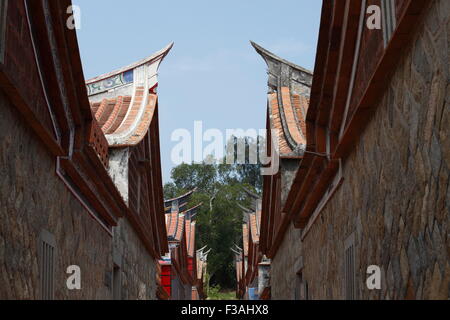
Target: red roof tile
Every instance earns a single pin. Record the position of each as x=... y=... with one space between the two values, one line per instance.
x=123 y=102
x=254 y=227
x=190 y=237
x=245 y=238
x=289 y=87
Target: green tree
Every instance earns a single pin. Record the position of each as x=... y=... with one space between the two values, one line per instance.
x=219 y=220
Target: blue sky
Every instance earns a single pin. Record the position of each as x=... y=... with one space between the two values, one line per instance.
x=212 y=74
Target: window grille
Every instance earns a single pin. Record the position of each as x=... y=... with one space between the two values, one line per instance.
x=306 y=290
x=298 y=287
x=349 y=255
x=3 y=10
x=117 y=276
x=301 y=288
x=117 y=283
x=47 y=255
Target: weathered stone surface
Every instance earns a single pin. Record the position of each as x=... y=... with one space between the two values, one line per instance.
x=282 y=270
x=33 y=198
x=139 y=277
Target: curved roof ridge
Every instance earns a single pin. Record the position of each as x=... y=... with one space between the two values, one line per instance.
x=188 y=211
x=287 y=81
x=266 y=53
x=133 y=130
x=182 y=196
x=161 y=54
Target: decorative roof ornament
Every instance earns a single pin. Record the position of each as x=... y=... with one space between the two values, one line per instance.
x=124 y=101
x=288 y=101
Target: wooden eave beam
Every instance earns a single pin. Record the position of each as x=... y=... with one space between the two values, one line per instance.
x=41 y=37
x=345 y=64
x=47 y=138
x=379 y=80
x=87 y=191
x=316 y=194
x=82 y=158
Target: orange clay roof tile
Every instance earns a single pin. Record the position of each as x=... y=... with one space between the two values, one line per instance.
x=245 y=238
x=289 y=87
x=254 y=228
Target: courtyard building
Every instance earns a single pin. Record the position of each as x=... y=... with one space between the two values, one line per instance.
x=183 y=267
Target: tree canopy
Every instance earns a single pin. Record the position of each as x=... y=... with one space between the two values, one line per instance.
x=220 y=187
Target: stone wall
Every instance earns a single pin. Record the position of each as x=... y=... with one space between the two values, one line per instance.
x=396 y=197
x=33 y=198
x=138 y=267
x=285 y=265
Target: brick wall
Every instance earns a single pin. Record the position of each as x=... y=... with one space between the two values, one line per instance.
x=396 y=197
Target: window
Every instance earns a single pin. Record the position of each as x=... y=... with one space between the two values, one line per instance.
x=47 y=245
x=117 y=283
x=298 y=287
x=389 y=20
x=139 y=191
x=306 y=291
x=117 y=276
x=301 y=288
x=349 y=266
x=3 y=10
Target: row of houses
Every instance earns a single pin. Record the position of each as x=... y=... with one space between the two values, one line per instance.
x=81 y=199
x=359 y=208
x=183 y=269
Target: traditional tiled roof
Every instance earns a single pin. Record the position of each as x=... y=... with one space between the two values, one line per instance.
x=202 y=258
x=190 y=229
x=245 y=238
x=199 y=268
x=255 y=223
x=192 y=212
x=124 y=101
x=180 y=228
x=239 y=270
x=288 y=100
x=179 y=202
x=174 y=226
x=190 y=237
x=178 y=221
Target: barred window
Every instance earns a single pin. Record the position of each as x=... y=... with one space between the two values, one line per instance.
x=389 y=19
x=3 y=10
x=349 y=267
x=117 y=276
x=117 y=283
x=298 y=287
x=301 y=288
x=47 y=255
